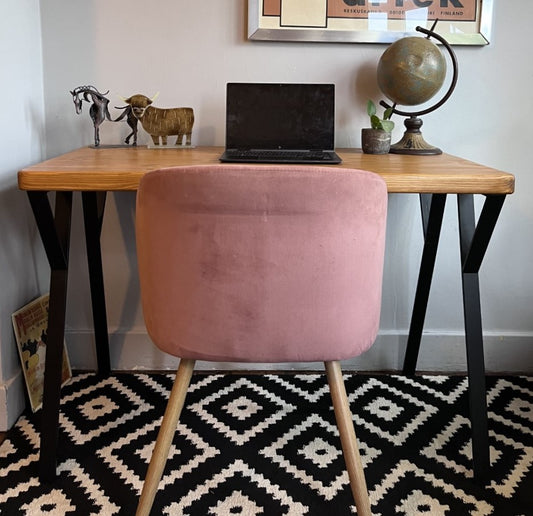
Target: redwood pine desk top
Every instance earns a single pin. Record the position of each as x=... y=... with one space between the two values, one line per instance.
x=120 y=169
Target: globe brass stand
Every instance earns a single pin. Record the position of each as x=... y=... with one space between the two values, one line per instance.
x=413 y=142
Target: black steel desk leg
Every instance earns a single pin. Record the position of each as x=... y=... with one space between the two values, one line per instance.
x=432 y=206
x=93 y=213
x=474 y=240
x=55 y=235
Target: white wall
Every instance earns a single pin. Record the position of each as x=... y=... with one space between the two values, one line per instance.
x=21 y=143
x=188 y=51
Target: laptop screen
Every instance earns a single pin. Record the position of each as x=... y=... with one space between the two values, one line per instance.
x=280 y=116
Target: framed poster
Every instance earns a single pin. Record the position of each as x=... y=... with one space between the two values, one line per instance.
x=461 y=22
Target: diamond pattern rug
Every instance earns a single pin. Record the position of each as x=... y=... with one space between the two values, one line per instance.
x=252 y=444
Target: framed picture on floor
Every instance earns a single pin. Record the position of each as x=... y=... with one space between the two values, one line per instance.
x=30 y=324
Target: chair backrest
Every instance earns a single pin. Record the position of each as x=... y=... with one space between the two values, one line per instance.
x=261 y=263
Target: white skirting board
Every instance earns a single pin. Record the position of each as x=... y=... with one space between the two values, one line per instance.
x=12 y=401
x=439 y=353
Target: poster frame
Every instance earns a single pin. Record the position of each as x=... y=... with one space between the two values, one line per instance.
x=270 y=28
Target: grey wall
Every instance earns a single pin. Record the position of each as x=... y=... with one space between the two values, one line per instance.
x=187 y=51
x=21 y=143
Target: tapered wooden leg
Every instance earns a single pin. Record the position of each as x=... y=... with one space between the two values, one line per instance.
x=165 y=436
x=348 y=439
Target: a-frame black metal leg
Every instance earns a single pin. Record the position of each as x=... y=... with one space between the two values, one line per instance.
x=432 y=206
x=54 y=229
x=474 y=240
x=93 y=213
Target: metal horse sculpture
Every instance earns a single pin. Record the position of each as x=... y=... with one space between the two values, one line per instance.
x=98 y=111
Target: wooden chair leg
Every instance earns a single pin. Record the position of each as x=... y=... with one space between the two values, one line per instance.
x=348 y=439
x=165 y=436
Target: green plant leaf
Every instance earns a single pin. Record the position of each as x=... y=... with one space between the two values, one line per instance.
x=375 y=122
x=387 y=125
x=370 y=108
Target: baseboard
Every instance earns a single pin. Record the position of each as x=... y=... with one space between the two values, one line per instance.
x=439 y=353
x=12 y=401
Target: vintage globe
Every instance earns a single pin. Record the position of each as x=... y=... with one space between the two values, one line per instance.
x=411 y=71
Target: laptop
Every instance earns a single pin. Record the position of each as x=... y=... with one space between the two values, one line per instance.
x=280 y=123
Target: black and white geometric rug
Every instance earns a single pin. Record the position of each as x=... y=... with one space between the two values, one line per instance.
x=268 y=445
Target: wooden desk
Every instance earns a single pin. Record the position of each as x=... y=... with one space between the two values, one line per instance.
x=97 y=171
x=116 y=169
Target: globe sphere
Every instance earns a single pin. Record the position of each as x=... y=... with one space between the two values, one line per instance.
x=411 y=71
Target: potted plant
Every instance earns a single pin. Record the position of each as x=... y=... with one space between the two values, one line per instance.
x=377 y=138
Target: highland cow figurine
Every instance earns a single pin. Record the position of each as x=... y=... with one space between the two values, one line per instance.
x=161 y=123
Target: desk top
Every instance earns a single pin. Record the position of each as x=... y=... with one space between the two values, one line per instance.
x=116 y=169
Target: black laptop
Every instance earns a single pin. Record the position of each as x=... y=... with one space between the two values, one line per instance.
x=280 y=123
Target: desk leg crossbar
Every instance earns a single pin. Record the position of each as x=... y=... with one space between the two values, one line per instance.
x=474 y=240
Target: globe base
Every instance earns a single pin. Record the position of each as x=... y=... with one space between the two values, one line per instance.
x=413 y=142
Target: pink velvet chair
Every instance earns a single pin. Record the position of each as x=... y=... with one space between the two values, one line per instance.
x=261 y=264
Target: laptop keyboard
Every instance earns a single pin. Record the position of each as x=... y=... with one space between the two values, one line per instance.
x=274 y=155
